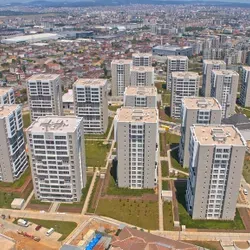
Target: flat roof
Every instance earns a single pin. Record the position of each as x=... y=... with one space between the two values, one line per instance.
x=171 y=47
x=4 y=90
x=247 y=68
x=216 y=62
x=27 y=38
x=141 y=54
x=201 y=103
x=6 y=110
x=47 y=77
x=68 y=97
x=142 y=69
x=90 y=82
x=225 y=72
x=131 y=114
x=177 y=57
x=185 y=74
x=55 y=124
x=218 y=135
x=121 y=61
x=144 y=91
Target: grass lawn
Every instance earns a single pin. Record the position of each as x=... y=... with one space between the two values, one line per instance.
x=212 y=245
x=84 y=194
x=165 y=185
x=185 y=218
x=168 y=216
x=26 y=120
x=34 y=201
x=142 y=214
x=246 y=112
x=175 y=163
x=96 y=153
x=246 y=168
x=172 y=139
x=7 y=198
x=114 y=190
x=18 y=183
x=166 y=98
x=62 y=227
x=101 y=136
x=164 y=169
x=113 y=108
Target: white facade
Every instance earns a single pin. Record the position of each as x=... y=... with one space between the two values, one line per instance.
x=7 y=96
x=13 y=160
x=45 y=95
x=142 y=59
x=245 y=87
x=57 y=158
x=142 y=76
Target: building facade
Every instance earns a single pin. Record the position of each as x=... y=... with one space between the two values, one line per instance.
x=13 y=160
x=171 y=50
x=224 y=89
x=57 y=158
x=175 y=63
x=216 y=161
x=136 y=134
x=7 y=96
x=44 y=95
x=208 y=66
x=184 y=84
x=91 y=103
x=120 y=70
x=140 y=97
x=142 y=76
x=196 y=110
x=142 y=59
x=245 y=87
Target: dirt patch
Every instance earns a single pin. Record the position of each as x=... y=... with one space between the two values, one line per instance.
x=19 y=190
x=38 y=207
x=144 y=197
x=212 y=245
x=69 y=209
x=242 y=244
x=97 y=193
x=245 y=216
x=174 y=201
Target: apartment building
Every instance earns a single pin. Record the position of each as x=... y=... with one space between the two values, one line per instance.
x=7 y=95
x=142 y=76
x=120 y=70
x=140 y=97
x=216 y=160
x=136 y=134
x=175 y=64
x=44 y=95
x=208 y=66
x=91 y=103
x=245 y=87
x=57 y=158
x=196 y=110
x=142 y=59
x=13 y=158
x=184 y=84
x=224 y=89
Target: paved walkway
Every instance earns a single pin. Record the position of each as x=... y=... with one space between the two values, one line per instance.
x=54 y=207
x=110 y=131
x=86 y=203
x=28 y=200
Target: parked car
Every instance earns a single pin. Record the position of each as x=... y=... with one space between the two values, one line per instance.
x=38 y=227
x=245 y=192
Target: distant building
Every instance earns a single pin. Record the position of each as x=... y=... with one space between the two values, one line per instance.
x=68 y=102
x=171 y=50
x=142 y=59
x=91 y=103
x=245 y=87
x=44 y=95
x=184 y=84
x=13 y=160
x=208 y=66
x=217 y=155
x=136 y=134
x=224 y=89
x=57 y=158
x=175 y=63
x=142 y=76
x=196 y=110
x=7 y=96
x=120 y=71
x=140 y=97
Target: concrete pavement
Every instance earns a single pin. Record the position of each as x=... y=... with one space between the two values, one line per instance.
x=54 y=207
x=28 y=200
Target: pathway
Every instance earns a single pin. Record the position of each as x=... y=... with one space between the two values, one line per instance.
x=28 y=200
x=110 y=131
x=53 y=208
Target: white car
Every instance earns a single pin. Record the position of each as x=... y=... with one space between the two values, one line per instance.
x=245 y=192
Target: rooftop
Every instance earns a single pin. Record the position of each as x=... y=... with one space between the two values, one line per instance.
x=143 y=91
x=68 y=97
x=131 y=114
x=6 y=110
x=121 y=61
x=171 y=47
x=215 y=62
x=186 y=74
x=55 y=124
x=142 y=69
x=201 y=103
x=141 y=54
x=218 y=135
x=90 y=82
x=4 y=90
x=177 y=57
x=247 y=68
x=225 y=72
x=47 y=77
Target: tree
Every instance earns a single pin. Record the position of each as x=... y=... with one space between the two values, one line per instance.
x=24 y=68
